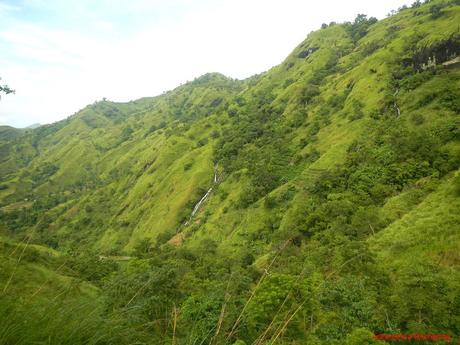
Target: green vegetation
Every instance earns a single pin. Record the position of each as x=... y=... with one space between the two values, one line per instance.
x=329 y=193
x=5 y=89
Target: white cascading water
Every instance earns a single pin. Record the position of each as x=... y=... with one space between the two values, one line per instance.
x=203 y=199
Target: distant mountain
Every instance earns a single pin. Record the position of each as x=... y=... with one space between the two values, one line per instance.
x=9 y=133
x=35 y=125
x=315 y=203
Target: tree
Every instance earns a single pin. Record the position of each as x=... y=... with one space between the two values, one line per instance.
x=359 y=27
x=435 y=11
x=5 y=89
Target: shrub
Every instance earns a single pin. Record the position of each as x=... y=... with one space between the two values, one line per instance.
x=215 y=134
x=270 y=202
x=187 y=166
x=417 y=119
x=202 y=142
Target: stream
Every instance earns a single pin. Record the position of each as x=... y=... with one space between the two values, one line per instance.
x=203 y=199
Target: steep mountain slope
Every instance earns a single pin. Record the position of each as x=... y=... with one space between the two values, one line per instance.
x=314 y=203
x=127 y=153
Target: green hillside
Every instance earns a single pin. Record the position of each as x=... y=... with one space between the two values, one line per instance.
x=316 y=203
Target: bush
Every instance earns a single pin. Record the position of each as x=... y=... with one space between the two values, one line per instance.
x=361 y=336
x=370 y=48
x=270 y=202
x=163 y=238
x=202 y=142
x=215 y=134
x=417 y=119
x=187 y=166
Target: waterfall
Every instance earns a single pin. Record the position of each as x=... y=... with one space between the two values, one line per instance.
x=197 y=206
x=203 y=199
x=395 y=104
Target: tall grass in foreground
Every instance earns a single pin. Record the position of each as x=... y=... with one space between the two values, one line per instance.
x=60 y=322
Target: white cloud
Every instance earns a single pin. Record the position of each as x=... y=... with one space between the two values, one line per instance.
x=5 y=8
x=104 y=25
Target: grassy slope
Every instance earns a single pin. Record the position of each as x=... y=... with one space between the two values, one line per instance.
x=33 y=270
x=141 y=175
x=334 y=139
x=33 y=276
x=429 y=231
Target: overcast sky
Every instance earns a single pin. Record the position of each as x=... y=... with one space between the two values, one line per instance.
x=61 y=55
